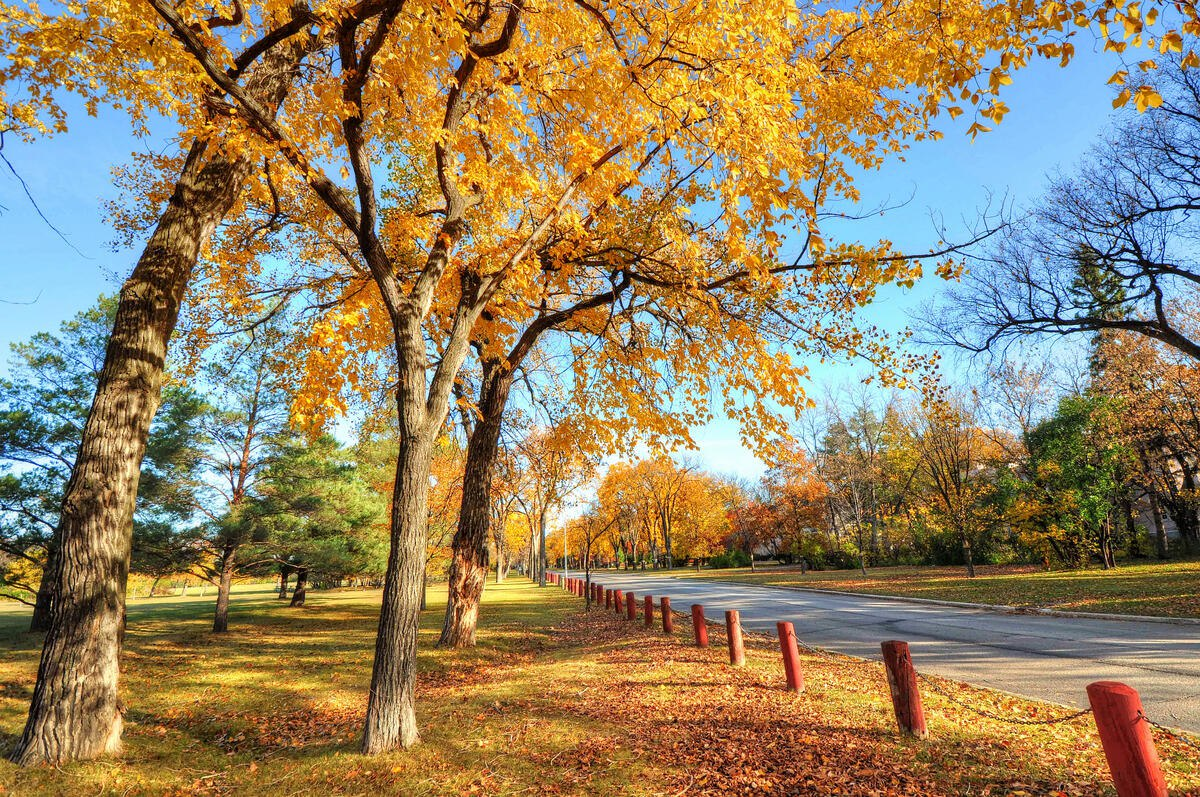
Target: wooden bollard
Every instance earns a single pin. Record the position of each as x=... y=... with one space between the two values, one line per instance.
x=1125 y=736
x=667 y=621
x=648 y=611
x=791 y=657
x=630 y=605
x=608 y=599
x=617 y=602
x=733 y=632
x=699 y=627
x=906 y=695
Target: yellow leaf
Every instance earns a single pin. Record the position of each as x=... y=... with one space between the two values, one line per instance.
x=1147 y=97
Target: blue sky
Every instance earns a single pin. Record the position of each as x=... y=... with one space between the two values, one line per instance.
x=1055 y=114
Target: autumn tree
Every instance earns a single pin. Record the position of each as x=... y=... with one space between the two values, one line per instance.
x=960 y=461
x=793 y=509
x=1155 y=390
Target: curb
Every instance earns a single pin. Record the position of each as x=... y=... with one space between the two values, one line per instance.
x=991 y=607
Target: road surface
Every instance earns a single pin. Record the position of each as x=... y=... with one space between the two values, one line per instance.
x=1049 y=658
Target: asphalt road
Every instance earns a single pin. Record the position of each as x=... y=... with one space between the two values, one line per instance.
x=1049 y=658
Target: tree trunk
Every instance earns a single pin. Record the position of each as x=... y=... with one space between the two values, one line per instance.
x=76 y=711
x=542 y=554
x=285 y=572
x=1160 y=529
x=44 y=602
x=391 y=716
x=968 y=556
x=469 y=562
x=228 y=564
x=301 y=591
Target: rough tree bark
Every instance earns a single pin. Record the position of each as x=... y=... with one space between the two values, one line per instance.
x=469 y=565
x=391 y=712
x=76 y=712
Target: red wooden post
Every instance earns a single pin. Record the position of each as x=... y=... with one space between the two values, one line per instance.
x=791 y=657
x=617 y=602
x=630 y=606
x=649 y=611
x=608 y=599
x=1125 y=735
x=667 y=621
x=733 y=631
x=699 y=627
x=906 y=695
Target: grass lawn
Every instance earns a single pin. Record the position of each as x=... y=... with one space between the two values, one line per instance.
x=1166 y=589
x=552 y=701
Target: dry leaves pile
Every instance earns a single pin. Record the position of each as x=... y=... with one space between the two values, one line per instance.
x=716 y=729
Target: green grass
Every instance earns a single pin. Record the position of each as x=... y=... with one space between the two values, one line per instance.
x=552 y=701
x=1166 y=589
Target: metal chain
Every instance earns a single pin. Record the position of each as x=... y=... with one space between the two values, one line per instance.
x=999 y=717
x=1174 y=734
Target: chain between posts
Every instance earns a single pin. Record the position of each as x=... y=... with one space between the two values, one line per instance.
x=999 y=717
x=1176 y=735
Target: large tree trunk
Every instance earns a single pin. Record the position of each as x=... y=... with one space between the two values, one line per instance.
x=224 y=585
x=76 y=712
x=391 y=714
x=968 y=556
x=469 y=565
x=301 y=591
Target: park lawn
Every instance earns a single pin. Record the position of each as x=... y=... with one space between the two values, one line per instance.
x=1160 y=589
x=554 y=700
